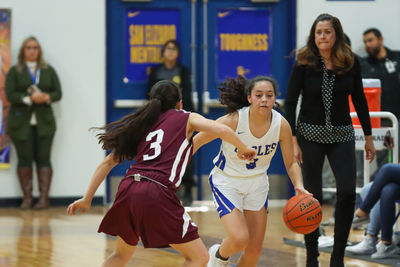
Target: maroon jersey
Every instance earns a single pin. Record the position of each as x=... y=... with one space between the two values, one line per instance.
x=165 y=151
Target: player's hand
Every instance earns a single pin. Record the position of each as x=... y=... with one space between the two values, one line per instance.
x=247 y=154
x=81 y=204
x=301 y=190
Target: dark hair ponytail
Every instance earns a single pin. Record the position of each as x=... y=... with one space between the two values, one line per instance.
x=234 y=91
x=123 y=136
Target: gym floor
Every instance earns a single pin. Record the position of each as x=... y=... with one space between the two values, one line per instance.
x=50 y=238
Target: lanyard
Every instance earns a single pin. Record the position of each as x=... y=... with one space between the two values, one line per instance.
x=35 y=76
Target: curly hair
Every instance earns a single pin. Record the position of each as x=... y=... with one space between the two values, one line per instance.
x=234 y=91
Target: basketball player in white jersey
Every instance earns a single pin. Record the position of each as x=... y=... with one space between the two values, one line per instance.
x=240 y=189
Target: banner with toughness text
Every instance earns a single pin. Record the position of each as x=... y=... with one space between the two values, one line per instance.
x=243 y=39
x=146 y=31
x=5 y=63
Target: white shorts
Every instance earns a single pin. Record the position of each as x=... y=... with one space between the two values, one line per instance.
x=243 y=194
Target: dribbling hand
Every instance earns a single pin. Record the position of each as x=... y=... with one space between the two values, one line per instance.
x=248 y=154
x=301 y=190
x=80 y=205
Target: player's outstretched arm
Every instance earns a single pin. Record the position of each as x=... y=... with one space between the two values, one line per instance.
x=216 y=129
x=99 y=175
x=292 y=168
x=203 y=138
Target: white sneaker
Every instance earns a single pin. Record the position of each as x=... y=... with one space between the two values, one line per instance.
x=359 y=221
x=366 y=246
x=385 y=251
x=325 y=241
x=396 y=238
x=214 y=261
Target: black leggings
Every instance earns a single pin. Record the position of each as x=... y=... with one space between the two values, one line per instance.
x=341 y=157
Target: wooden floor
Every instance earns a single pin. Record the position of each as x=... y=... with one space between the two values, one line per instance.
x=50 y=238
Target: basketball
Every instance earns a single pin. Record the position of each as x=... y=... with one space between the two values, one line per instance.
x=302 y=214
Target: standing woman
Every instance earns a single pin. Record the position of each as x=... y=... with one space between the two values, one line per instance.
x=326 y=73
x=31 y=86
x=171 y=69
x=240 y=189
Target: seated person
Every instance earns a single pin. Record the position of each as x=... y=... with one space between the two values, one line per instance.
x=386 y=188
x=368 y=244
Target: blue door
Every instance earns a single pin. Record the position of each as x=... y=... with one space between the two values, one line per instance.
x=240 y=37
x=135 y=34
x=218 y=38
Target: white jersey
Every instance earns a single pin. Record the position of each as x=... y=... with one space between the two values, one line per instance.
x=227 y=161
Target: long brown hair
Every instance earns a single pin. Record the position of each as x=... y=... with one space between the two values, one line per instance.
x=123 y=136
x=342 y=56
x=21 y=55
x=234 y=92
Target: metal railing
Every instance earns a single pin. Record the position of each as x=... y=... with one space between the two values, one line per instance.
x=378 y=135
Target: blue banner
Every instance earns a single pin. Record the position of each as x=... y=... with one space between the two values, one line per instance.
x=146 y=31
x=243 y=42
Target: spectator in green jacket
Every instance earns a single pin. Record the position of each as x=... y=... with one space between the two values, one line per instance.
x=31 y=86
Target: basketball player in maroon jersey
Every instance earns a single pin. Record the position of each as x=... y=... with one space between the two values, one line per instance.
x=159 y=137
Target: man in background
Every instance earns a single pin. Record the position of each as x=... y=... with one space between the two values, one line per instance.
x=384 y=64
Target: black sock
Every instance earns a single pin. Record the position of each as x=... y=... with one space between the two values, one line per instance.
x=220 y=257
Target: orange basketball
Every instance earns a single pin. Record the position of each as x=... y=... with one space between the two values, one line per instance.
x=302 y=214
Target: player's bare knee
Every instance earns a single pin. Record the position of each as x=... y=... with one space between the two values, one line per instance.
x=241 y=240
x=203 y=258
x=123 y=257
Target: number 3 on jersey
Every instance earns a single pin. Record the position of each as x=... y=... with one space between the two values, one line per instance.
x=156 y=145
x=252 y=164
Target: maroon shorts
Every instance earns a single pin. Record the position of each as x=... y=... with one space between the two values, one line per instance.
x=148 y=211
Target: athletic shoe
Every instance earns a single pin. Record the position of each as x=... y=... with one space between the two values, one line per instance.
x=385 y=251
x=366 y=246
x=396 y=238
x=214 y=261
x=359 y=221
x=325 y=241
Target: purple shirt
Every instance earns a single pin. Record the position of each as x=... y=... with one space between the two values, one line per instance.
x=165 y=152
